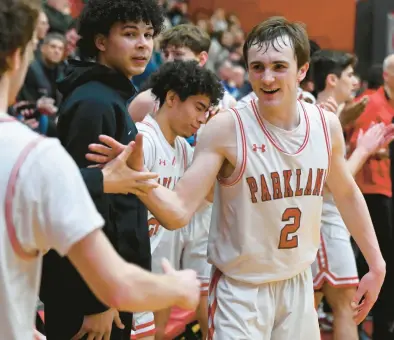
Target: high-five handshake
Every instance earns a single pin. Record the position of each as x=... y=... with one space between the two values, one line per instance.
x=117 y=162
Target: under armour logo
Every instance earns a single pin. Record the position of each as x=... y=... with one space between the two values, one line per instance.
x=255 y=147
x=162 y=162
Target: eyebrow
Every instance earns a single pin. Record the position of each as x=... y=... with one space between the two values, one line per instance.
x=125 y=26
x=274 y=62
x=205 y=107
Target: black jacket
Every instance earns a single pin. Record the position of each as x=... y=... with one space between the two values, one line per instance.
x=94 y=103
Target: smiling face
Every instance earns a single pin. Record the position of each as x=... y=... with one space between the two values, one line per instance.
x=187 y=116
x=273 y=73
x=127 y=48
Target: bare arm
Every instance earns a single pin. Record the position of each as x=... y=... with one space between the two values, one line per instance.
x=141 y=105
x=369 y=144
x=350 y=201
x=122 y=285
x=174 y=209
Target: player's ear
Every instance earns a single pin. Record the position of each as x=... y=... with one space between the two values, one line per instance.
x=302 y=72
x=101 y=42
x=171 y=98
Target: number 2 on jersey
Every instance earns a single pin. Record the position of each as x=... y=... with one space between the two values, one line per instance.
x=288 y=241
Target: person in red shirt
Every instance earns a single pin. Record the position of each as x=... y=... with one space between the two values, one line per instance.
x=374 y=180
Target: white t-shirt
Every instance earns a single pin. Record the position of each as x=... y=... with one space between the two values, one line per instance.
x=48 y=206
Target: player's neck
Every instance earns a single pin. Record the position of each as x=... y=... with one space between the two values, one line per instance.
x=4 y=92
x=324 y=95
x=285 y=117
x=162 y=120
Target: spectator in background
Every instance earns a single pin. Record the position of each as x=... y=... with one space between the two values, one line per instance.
x=374 y=180
x=42 y=29
x=58 y=15
x=373 y=80
x=44 y=71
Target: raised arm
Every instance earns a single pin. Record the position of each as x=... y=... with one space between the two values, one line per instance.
x=141 y=105
x=354 y=212
x=174 y=209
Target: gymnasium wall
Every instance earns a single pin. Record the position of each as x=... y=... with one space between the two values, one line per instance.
x=330 y=23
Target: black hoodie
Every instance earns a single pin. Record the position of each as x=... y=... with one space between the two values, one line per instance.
x=94 y=103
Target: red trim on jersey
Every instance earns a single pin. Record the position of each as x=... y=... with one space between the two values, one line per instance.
x=8 y=120
x=217 y=274
x=138 y=334
x=272 y=140
x=184 y=155
x=148 y=124
x=328 y=143
x=17 y=247
x=324 y=274
x=225 y=181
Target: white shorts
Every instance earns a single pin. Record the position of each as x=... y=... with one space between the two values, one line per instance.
x=185 y=248
x=335 y=262
x=282 y=310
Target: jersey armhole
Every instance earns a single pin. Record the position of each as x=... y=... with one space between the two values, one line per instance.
x=327 y=138
x=9 y=202
x=241 y=152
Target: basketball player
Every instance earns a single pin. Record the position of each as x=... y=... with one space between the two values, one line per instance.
x=182 y=42
x=186 y=91
x=45 y=204
x=185 y=42
x=334 y=270
x=270 y=160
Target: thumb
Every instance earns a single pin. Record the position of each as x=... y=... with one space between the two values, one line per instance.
x=125 y=154
x=167 y=268
x=118 y=321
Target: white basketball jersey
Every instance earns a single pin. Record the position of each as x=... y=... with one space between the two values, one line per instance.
x=266 y=216
x=168 y=162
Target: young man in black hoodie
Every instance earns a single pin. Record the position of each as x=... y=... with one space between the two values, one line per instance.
x=118 y=36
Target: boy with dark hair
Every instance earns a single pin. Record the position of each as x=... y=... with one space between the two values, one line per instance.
x=116 y=44
x=185 y=92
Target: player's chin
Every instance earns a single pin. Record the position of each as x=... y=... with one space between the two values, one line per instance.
x=136 y=70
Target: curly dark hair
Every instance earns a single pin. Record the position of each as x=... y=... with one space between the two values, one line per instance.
x=185 y=78
x=98 y=16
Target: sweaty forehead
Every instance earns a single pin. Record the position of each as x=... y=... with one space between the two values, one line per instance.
x=280 y=48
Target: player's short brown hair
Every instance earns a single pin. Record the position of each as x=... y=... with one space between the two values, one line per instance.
x=18 y=20
x=326 y=62
x=269 y=31
x=186 y=35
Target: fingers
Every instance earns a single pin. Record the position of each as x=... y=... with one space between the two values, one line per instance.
x=118 y=321
x=79 y=335
x=145 y=176
x=100 y=149
x=110 y=142
x=125 y=154
x=167 y=268
x=361 y=310
x=97 y=158
x=136 y=161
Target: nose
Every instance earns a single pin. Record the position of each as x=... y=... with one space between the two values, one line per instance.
x=267 y=77
x=169 y=57
x=142 y=42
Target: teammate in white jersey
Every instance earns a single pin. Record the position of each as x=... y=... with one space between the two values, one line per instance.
x=334 y=270
x=270 y=160
x=182 y=42
x=45 y=204
x=186 y=92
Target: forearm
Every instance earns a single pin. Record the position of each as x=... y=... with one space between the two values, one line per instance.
x=355 y=214
x=144 y=291
x=357 y=160
x=167 y=207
